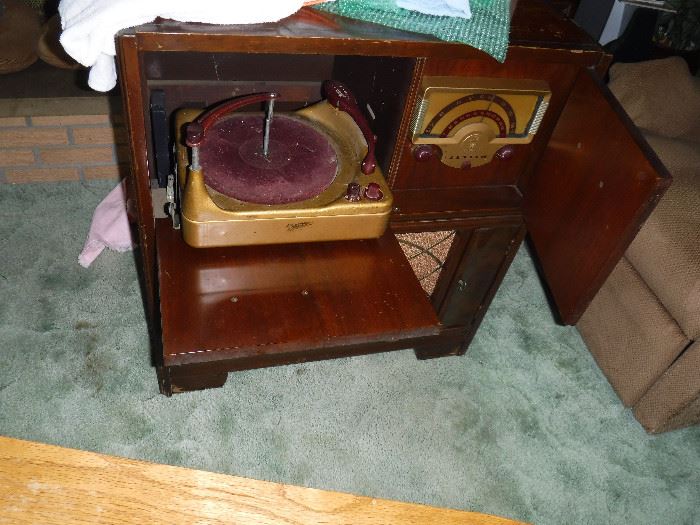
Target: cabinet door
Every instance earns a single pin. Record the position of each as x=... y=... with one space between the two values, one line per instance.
x=595 y=184
x=476 y=264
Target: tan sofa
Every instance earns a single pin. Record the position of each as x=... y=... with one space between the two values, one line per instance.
x=643 y=327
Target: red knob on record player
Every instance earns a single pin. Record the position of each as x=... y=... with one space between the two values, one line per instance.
x=354 y=192
x=374 y=192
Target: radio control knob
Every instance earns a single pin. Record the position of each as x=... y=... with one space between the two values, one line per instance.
x=423 y=153
x=505 y=153
x=374 y=192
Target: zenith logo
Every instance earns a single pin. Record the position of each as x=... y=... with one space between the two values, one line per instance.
x=297 y=226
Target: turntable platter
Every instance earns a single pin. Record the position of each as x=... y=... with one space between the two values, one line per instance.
x=301 y=162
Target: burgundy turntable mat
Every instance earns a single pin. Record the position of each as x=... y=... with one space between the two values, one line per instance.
x=300 y=164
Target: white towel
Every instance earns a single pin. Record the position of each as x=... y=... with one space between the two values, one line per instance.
x=89 y=26
x=458 y=8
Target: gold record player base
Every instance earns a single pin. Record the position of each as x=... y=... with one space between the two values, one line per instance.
x=211 y=219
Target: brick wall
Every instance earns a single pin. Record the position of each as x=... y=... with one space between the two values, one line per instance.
x=62 y=148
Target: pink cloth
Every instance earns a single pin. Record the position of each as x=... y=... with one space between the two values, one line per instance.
x=109 y=228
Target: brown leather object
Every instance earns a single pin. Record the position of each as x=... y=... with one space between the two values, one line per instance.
x=674 y=400
x=50 y=49
x=630 y=334
x=20 y=28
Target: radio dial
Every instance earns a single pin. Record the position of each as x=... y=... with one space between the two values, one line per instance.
x=469 y=121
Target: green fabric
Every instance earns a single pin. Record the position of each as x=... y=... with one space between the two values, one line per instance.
x=524 y=425
x=487 y=29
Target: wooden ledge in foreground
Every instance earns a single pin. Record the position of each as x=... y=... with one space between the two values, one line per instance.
x=49 y=484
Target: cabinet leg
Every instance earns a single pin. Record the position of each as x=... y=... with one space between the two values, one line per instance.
x=453 y=343
x=173 y=380
x=164 y=381
x=438 y=351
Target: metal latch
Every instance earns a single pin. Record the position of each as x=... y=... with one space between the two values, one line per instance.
x=170 y=198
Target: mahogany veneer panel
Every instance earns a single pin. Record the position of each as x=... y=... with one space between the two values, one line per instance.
x=534 y=24
x=595 y=185
x=445 y=203
x=254 y=301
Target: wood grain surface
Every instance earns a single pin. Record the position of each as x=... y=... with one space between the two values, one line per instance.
x=285 y=300
x=49 y=485
x=594 y=187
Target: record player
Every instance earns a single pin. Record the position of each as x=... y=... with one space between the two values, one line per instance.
x=269 y=178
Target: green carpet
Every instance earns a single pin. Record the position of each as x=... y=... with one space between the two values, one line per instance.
x=524 y=426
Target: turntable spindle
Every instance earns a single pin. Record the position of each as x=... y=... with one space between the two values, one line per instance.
x=268 y=123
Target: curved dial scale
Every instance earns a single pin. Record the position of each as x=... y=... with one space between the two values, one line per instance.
x=478 y=113
x=470 y=119
x=464 y=101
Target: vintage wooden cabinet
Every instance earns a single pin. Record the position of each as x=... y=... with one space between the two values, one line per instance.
x=581 y=189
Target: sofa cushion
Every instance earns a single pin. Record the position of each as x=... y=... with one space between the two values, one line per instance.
x=660 y=96
x=666 y=251
x=674 y=400
x=630 y=334
x=680 y=156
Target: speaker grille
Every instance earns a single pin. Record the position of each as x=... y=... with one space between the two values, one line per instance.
x=426 y=253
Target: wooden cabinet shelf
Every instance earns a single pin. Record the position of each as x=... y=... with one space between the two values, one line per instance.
x=246 y=307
